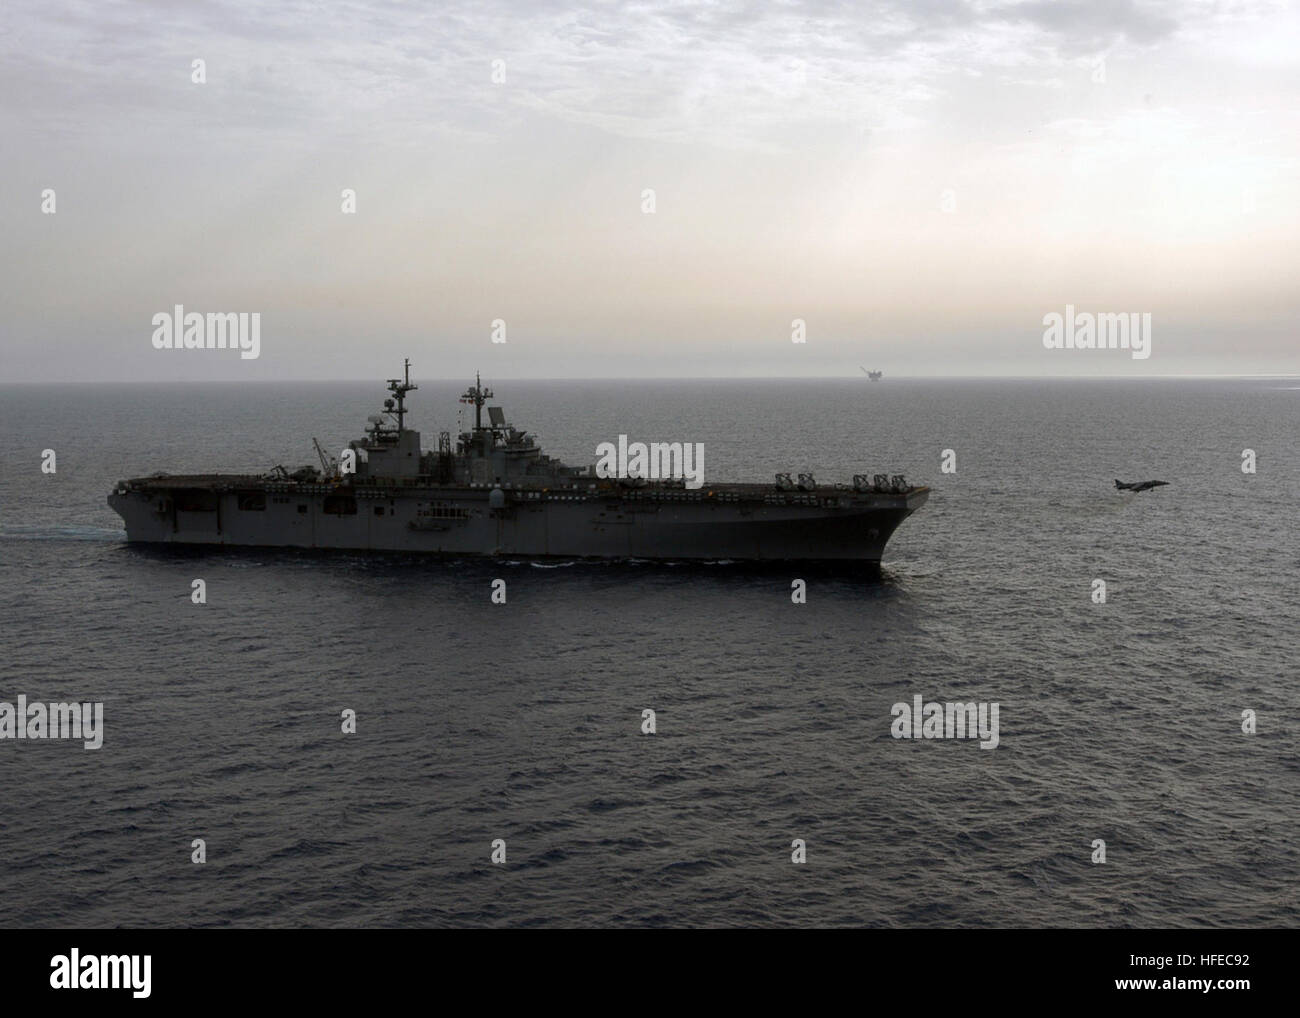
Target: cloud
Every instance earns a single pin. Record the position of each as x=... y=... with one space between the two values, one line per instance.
x=725 y=73
x=1090 y=25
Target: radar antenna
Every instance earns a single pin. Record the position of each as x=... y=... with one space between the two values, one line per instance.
x=477 y=395
x=399 y=388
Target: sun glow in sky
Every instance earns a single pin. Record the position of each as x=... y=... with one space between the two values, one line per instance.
x=919 y=182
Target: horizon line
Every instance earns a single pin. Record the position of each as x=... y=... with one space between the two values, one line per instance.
x=673 y=378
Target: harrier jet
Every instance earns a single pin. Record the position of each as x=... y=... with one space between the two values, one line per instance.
x=1140 y=486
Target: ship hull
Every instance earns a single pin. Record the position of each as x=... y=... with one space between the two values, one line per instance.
x=736 y=523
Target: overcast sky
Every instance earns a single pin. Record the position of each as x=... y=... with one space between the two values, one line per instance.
x=919 y=181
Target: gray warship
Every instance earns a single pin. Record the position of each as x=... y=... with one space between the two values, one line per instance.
x=495 y=493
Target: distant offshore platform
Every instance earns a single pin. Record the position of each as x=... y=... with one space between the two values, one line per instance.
x=875 y=376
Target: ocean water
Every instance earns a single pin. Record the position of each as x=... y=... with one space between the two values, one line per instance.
x=1118 y=721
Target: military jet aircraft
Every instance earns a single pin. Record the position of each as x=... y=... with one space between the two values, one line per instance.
x=1140 y=486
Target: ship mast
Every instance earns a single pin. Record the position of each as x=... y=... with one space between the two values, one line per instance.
x=477 y=395
x=399 y=388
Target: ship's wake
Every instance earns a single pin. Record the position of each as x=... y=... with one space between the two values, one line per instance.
x=62 y=533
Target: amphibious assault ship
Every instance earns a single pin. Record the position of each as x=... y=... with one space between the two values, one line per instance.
x=495 y=493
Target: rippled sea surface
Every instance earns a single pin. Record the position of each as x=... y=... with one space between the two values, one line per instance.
x=1119 y=721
